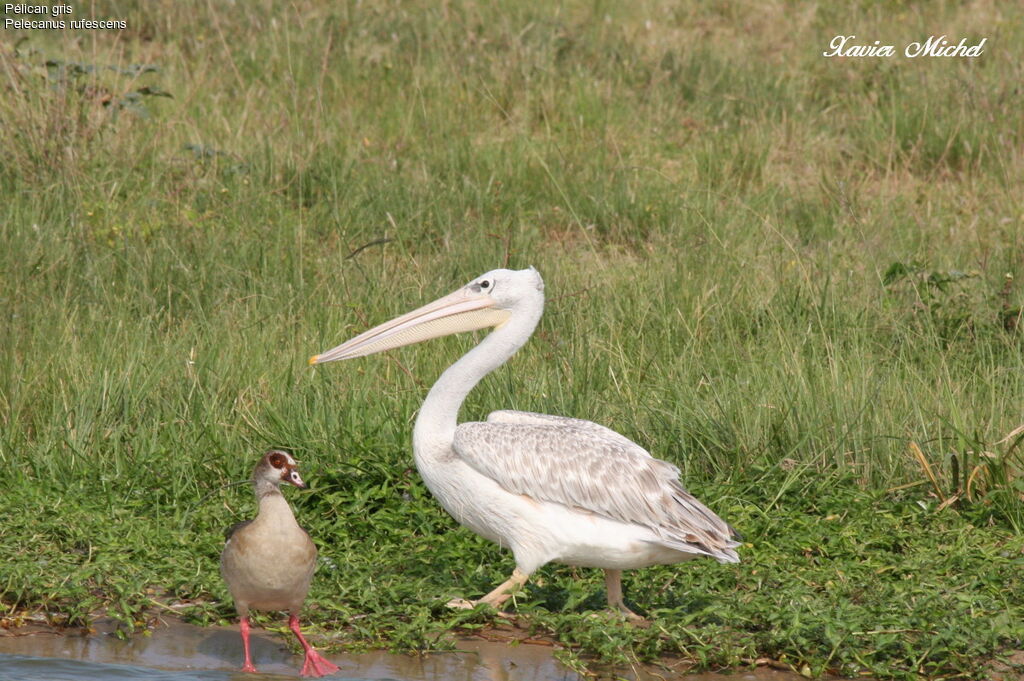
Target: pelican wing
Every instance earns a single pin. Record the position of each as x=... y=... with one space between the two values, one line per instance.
x=578 y=464
x=596 y=429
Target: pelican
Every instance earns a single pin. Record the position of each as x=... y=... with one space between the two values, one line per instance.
x=550 y=488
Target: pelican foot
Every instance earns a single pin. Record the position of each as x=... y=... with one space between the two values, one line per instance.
x=464 y=604
x=613 y=583
x=622 y=612
x=631 y=616
x=497 y=597
x=461 y=604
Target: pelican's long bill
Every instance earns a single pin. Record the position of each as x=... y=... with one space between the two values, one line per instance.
x=463 y=310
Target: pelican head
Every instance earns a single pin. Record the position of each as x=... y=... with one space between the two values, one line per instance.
x=488 y=301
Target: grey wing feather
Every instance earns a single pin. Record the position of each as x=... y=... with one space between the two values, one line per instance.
x=577 y=464
x=529 y=417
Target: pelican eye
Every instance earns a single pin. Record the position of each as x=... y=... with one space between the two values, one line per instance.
x=485 y=284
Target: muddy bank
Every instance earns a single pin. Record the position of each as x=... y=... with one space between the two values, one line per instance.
x=181 y=651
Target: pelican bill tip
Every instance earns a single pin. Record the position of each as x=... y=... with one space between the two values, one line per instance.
x=313 y=359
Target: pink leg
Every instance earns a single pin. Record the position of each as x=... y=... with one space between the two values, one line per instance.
x=315 y=664
x=244 y=626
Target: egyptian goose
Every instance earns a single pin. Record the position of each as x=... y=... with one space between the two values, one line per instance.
x=268 y=561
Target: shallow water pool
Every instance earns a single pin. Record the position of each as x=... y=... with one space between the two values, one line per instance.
x=176 y=651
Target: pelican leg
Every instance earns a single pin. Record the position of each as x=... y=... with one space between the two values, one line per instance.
x=613 y=584
x=496 y=597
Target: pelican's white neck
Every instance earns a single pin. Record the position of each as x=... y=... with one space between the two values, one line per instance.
x=435 y=425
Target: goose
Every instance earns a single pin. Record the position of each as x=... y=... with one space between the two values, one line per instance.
x=268 y=561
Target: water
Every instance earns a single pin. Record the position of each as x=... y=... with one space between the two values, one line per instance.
x=25 y=668
x=180 y=652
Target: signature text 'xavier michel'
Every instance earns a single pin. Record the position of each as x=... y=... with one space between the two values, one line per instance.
x=935 y=46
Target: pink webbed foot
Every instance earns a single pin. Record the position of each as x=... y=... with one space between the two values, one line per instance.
x=317 y=665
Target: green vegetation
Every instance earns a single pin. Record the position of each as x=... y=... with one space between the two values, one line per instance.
x=795 y=277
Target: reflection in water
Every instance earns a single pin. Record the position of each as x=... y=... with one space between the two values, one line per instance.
x=181 y=652
x=185 y=652
x=23 y=668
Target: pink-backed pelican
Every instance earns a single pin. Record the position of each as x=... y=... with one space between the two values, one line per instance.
x=550 y=488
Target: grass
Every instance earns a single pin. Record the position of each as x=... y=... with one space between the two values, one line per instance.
x=794 y=277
